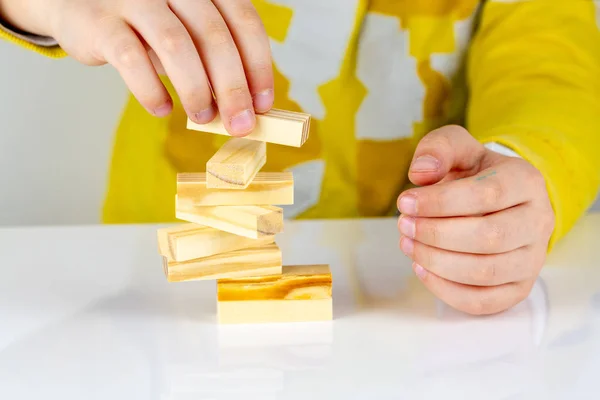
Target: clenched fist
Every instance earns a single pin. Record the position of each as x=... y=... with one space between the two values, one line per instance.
x=478 y=225
x=203 y=46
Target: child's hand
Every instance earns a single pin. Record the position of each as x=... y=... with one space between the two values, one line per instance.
x=478 y=243
x=201 y=44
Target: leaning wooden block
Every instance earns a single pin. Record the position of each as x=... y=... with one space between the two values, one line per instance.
x=235 y=164
x=255 y=261
x=276 y=126
x=300 y=293
x=250 y=221
x=269 y=188
x=189 y=241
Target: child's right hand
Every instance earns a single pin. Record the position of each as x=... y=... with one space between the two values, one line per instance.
x=200 y=43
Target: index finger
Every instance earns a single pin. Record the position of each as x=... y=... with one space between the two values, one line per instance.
x=168 y=37
x=497 y=188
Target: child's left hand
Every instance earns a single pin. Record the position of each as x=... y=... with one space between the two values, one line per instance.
x=478 y=226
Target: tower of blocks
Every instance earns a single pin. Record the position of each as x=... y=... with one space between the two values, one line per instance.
x=232 y=217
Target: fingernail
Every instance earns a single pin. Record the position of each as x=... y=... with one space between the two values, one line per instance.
x=242 y=122
x=408 y=204
x=263 y=101
x=163 y=110
x=420 y=271
x=407 y=226
x=407 y=245
x=205 y=116
x=425 y=164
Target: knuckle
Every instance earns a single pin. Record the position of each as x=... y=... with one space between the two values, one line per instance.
x=492 y=236
x=491 y=194
x=248 y=16
x=441 y=199
x=103 y=37
x=261 y=68
x=128 y=55
x=105 y=21
x=218 y=35
x=430 y=262
x=485 y=273
x=431 y=232
x=238 y=90
x=175 y=40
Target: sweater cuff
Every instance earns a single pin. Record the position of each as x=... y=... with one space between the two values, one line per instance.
x=37 y=40
x=571 y=179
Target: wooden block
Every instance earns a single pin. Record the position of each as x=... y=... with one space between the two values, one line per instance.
x=267 y=188
x=296 y=282
x=254 y=261
x=300 y=293
x=235 y=164
x=189 y=241
x=287 y=128
x=250 y=221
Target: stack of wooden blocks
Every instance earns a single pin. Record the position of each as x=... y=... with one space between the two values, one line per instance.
x=232 y=216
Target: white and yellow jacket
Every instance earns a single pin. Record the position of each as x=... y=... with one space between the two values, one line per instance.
x=376 y=76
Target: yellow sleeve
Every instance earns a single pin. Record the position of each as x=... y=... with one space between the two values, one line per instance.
x=534 y=80
x=48 y=51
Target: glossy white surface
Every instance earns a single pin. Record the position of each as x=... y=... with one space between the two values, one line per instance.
x=86 y=313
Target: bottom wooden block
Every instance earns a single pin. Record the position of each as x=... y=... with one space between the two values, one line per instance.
x=300 y=293
x=265 y=311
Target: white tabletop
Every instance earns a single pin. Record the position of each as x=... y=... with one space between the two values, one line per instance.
x=86 y=313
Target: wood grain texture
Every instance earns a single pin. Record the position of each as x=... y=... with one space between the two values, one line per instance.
x=274 y=311
x=235 y=164
x=189 y=241
x=276 y=126
x=255 y=261
x=250 y=221
x=267 y=188
x=296 y=282
x=300 y=293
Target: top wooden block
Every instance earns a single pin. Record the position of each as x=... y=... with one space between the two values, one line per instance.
x=282 y=127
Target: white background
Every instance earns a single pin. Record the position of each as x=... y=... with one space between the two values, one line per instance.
x=57 y=123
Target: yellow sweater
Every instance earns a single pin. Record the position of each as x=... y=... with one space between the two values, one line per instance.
x=376 y=76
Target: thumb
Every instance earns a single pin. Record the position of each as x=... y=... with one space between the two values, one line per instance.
x=448 y=152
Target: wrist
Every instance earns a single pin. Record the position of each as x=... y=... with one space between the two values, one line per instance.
x=26 y=16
